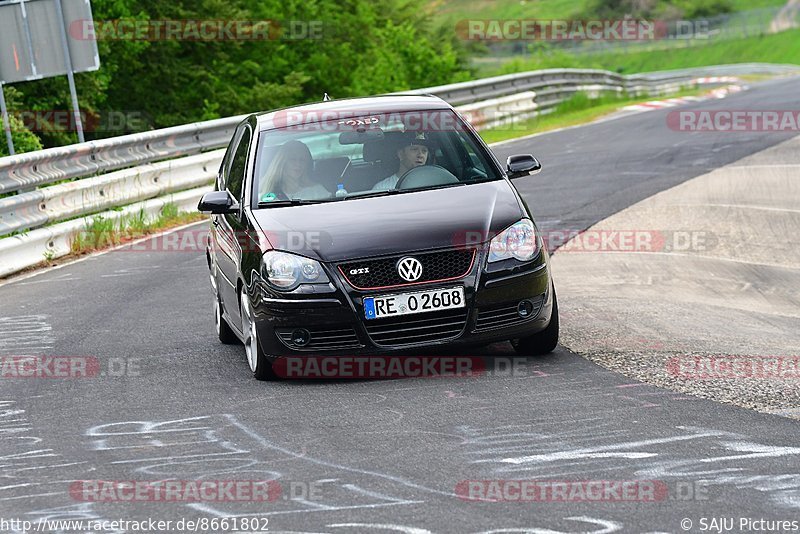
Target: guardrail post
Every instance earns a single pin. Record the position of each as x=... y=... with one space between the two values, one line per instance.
x=6 y=122
x=70 y=75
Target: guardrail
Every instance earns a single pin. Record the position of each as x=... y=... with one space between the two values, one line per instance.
x=458 y=94
x=542 y=92
x=26 y=250
x=90 y=195
x=32 y=169
x=490 y=101
x=171 y=165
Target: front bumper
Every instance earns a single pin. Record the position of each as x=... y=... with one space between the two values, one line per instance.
x=334 y=325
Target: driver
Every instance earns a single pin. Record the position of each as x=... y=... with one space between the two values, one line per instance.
x=412 y=152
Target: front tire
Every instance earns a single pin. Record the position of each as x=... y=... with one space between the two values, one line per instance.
x=259 y=364
x=543 y=342
x=225 y=333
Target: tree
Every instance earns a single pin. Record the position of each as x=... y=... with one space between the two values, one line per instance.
x=343 y=47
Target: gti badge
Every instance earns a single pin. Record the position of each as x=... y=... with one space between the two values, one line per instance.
x=409 y=269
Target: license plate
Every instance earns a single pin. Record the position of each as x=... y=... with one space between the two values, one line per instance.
x=417 y=302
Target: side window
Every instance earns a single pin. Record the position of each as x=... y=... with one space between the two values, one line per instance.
x=473 y=165
x=225 y=165
x=235 y=178
x=453 y=155
x=471 y=155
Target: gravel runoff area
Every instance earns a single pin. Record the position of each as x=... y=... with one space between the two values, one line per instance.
x=697 y=288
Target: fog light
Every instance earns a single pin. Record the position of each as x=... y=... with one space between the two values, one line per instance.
x=525 y=308
x=301 y=337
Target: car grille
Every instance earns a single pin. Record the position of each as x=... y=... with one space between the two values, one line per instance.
x=505 y=315
x=427 y=327
x=322 y=338
x=436 y=267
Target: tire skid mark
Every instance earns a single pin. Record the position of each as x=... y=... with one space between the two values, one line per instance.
x=29 y=333
x=720 y=458
x=23 y=456
x=218 y=446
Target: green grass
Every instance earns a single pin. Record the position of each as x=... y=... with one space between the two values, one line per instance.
x=781 y=47
x=103 y=233
x=744 y=5
x=169 y=211
x=455 y=10
x=579 y=109
x=135 y=223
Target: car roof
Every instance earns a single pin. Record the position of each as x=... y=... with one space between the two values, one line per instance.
x=352 y=107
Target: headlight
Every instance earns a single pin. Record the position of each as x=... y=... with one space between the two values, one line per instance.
x=517 y=241
x=287 y=271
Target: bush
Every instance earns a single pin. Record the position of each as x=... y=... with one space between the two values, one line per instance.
x=24 y=139
x=367 y=47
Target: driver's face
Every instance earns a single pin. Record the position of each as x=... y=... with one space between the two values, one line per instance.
x=295 y=167
x=413 y=156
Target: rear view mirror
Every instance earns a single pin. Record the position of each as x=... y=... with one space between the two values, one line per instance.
x=218 y=203
x=360 y=136
x=522 y=165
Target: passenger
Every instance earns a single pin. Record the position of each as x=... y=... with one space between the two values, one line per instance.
x=412 y=152
x=289 y=175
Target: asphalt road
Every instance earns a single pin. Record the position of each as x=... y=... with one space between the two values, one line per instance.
x=377 y=456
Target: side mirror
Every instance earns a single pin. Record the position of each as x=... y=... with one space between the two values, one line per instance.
x=218 y=203
x=522 y=165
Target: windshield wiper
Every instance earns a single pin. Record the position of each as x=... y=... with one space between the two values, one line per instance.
x=369 y=194
x=290 y=202
x=440 y=186
x=386 y=192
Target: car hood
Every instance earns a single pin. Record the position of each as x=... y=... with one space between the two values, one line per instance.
x=394 y=224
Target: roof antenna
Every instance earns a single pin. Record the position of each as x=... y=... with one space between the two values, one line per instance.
x=325 y=97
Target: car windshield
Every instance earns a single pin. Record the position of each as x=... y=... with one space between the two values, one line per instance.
x=306 y=160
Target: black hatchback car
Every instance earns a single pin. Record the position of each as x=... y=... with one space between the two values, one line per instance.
x=373 y=226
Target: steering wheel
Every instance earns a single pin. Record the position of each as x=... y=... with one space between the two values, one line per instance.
x=426 y=176
x=474 y=174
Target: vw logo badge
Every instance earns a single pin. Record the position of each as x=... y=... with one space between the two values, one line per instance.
x=409 y=269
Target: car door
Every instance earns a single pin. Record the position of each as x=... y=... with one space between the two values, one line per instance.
x=228 y=228
x=214 y=250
